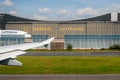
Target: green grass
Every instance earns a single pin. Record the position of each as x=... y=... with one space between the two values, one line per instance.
x=64 y=65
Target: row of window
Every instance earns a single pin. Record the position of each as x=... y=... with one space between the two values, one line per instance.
x=92 y=37
x=18 y=39
x=92 y=41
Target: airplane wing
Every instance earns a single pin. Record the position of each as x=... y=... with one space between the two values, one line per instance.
x=8 y=53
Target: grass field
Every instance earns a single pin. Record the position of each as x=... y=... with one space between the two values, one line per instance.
x=64 y=65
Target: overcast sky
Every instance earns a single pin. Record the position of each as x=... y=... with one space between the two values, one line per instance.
x=58 y=9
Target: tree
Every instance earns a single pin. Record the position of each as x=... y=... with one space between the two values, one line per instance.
x=69 y=47
x=115 y=47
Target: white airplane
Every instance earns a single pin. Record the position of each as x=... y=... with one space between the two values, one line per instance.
x=14 y=32
x=8 y=53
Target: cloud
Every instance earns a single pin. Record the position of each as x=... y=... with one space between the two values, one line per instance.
x=115 y=7
x=7 y=3
x=87 y=11
x=40 y=17
x=79 y=13
x=44 y=10
x=63 y=12
x=13 y=12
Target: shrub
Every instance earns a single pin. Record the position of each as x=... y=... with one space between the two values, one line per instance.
x=69 y=47
x=102 y=49
x=115 y=47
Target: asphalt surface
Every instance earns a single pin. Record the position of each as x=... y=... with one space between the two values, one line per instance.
x=61 y=77
x=72 y=54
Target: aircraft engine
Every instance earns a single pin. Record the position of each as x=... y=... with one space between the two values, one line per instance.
x=11 y=62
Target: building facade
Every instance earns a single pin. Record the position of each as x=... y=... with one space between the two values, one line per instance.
x=97 y=32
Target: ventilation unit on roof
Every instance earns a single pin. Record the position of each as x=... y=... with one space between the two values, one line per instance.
x=114 y=16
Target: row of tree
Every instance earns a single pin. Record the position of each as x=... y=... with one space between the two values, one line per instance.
x=113 y=47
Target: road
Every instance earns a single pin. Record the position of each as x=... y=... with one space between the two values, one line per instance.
x=73 y=54
x=61 y=77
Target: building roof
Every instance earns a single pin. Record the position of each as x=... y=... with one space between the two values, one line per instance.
x=10 y=18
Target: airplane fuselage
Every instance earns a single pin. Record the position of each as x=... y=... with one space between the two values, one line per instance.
x=14 y=32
